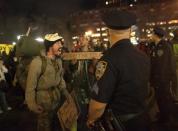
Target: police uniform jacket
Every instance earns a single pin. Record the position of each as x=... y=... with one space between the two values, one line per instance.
x=163 y=66
x=122 y=76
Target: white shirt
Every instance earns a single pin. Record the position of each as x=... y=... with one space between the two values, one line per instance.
x=3 y=70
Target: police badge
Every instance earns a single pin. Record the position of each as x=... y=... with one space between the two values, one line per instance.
x=100 y=69
x=160 y=52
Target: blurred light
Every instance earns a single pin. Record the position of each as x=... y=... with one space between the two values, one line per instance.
x=88 y=33
x=107 y=2
x=133 y=40
x=75 y=37
x=74 y=42
x=14 y=43
x=104 y=34
x=98 y=29
x=96 y=35
x=149 y=35
x=148 y=31
x=19 y=36
x=162 y=23
x=133 y=33
x=105 y=39
x=131 y=5
x=171 y=34
x=105 y=45
x=39 y=39
x=95 y=41
x=135 y=0
x=152 y=10
x=104 y=28
x=173 y=22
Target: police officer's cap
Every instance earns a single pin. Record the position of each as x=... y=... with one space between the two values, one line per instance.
x=159 y=32
x=119 y=19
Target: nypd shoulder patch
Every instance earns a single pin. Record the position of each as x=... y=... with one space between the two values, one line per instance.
x=100 y=69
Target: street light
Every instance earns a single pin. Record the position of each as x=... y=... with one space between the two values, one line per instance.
x=171 y=34
x=131 y=5
x=19 y=36
x=39 y=39
x=14 y=43
x=107 y=2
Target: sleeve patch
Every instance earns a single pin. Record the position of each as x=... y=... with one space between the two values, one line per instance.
x=100 y=69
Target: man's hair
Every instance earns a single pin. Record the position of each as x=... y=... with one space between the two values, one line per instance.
x=51 y=39
x=49 y=44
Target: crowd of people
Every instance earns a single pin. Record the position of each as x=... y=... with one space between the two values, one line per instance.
x=136 y=84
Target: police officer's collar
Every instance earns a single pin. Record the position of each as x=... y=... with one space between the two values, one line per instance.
x=122 y=42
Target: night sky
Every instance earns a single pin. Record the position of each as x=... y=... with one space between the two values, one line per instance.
x=53 y=8
x=43 y=15
x=43 y=7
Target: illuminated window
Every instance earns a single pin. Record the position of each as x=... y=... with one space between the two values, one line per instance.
x=173 y=22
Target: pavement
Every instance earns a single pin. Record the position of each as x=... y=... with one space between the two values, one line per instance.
x=21 y=119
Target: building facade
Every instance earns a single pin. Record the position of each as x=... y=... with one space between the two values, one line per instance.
x=162 y=13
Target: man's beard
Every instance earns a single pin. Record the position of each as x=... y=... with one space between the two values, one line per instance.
x=59 y=54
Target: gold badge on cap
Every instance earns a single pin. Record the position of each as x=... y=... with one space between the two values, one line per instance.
x=100 y=69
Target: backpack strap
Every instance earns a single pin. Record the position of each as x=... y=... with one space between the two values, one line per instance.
x=43 y=66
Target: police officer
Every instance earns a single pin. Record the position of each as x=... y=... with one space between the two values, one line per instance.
x=175 y=43
x=43 y=92
x=122 y=76
x=163 y=73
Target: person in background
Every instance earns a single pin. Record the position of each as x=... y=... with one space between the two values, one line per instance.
x=163 y=74
x=3 y=84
